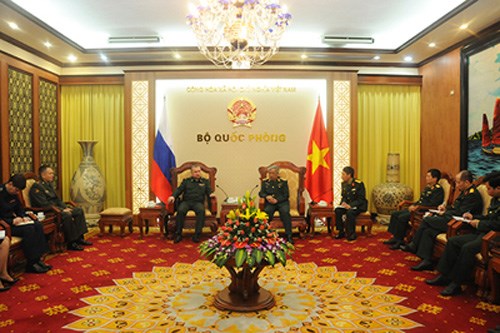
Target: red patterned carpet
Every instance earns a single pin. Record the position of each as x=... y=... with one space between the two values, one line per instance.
x=43 y=303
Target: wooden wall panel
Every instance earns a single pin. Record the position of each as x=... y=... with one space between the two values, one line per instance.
x=36 y=74
x=440 y=128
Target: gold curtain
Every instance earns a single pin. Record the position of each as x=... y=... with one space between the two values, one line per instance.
x=388 y=122
x=94 y=112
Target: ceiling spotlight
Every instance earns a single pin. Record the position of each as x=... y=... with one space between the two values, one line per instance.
x=104 y=57
x=72 y=58
x=177 y=55
x=47 y=44
x=463 y=26
x=408 y=58
x=377 y=57
x=304 y=56
x=432 y=44
x=13 y=25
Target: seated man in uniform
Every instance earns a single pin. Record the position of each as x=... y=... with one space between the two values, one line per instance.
x=352 y=203
x=194 y=190
x=458 y=258
x=34 y=244
x=432 y=195
x=43 y=195
x=276 y=194
x=469 y=201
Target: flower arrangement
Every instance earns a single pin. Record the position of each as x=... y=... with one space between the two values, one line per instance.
x=246 y=237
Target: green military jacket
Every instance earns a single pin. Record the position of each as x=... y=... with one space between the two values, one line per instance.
x=354 y=194
x=469 y=201
x=490 y=221
x=431 y=196
x=278 y=189
x=42 y=195
x=193 y=189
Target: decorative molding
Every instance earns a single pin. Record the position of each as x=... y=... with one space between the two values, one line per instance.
x=341 y=131
x=20 y=121
x=49 y=152
x=390 y=79
x=140 y=144
x=94 y=79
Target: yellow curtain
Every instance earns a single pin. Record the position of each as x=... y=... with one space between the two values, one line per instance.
x=388 y=122
x=94 y=112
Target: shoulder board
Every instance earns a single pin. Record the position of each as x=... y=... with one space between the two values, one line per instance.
x=437 y=186
x=358 y=181
x=471 y=190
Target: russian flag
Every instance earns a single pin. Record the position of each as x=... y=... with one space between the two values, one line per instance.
x=163 y=161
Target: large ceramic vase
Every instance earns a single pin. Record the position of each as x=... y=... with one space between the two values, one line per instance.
x=88 y=188
x=388 y=195
x=244 y=293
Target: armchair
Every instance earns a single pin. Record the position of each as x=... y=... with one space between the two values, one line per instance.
x=457 y=228
x=448 y=185
x=295 y=176
x=489 y=242
x=16 y=260
x=52 y=222
x=178 y=175
x=490 y=259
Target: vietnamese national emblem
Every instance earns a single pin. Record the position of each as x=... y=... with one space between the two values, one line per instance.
x=241 y=112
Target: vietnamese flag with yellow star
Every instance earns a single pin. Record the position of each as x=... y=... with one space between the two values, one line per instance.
x=318 y=166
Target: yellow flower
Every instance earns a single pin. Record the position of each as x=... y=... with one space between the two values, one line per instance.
x=247 y=215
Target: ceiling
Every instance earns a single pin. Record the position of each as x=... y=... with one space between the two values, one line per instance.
x=400 y=28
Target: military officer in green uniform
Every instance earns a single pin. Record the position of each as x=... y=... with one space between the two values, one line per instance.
x=22 y=225
x=276 y=194
x=432 y=195
x=194 y=190
x=43 y=195
x=469 y=201
x=457 y=261
x=352 y=204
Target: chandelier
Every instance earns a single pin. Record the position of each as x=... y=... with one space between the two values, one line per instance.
x=238 y=34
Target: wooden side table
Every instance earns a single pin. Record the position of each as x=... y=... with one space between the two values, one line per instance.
x=224 y=210
x=157 y=213
x=316 y=211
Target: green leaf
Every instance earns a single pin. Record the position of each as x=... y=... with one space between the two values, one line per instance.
x=206 y=251
x=221 y=260
x=257 y=254
x=281 y=257
x=251 y=261
x=240 y=257
x=270 y=258
x=210 y=252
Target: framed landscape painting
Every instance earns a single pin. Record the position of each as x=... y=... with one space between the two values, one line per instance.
x=480 y=106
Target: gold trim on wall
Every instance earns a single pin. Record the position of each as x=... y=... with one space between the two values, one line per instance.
x=140 y=144
x=341 y=131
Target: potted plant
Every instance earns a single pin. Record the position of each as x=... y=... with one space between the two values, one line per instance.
x=245 y=245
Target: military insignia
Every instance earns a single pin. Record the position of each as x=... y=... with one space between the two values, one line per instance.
x=241 y=112
x=471 y=190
